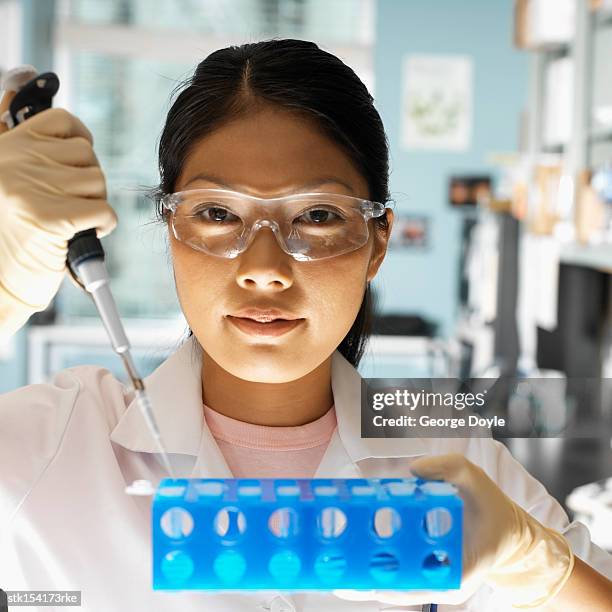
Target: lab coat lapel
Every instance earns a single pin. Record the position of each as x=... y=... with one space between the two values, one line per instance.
x=336 y=462
x=348 y=454
x=210 y=462
x=175 y=391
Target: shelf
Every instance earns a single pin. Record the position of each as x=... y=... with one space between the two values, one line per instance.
x=557 y=147
x=603 y=19
x=598 y=256
x=553 y=49
x=601 y=135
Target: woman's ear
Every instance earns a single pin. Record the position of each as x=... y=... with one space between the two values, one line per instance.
x=381 y=240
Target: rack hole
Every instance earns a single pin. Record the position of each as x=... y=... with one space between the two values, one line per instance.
x=176 y=523
x=384 y=567
x=330 y=566
x=331 y=522
x=287 y=491
x=177 y=566
x=436 y=565
x=283 y=523
x=387 y=522
x=363 y=491
x=229 y=523
x=249 y=491
x=437 y=522
x=285 y=565
x=169 y=491
x=325 y=490
x=210 y=489
x=229 y=566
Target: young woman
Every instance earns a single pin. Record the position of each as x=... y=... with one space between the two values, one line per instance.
x=274 y=181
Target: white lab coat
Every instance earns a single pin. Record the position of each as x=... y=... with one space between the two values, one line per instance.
x=69 y=448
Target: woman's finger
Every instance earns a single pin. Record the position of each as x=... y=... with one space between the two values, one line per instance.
x=76 y=151
x=449 y=467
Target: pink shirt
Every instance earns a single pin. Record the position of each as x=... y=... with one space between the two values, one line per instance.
x=262 y=451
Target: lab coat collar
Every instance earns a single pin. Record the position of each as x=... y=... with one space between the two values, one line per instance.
x=176 y=396
x=174 y=389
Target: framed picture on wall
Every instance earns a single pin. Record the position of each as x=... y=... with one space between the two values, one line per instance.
x=437 y=104
x=409 y=231
x=469 y=190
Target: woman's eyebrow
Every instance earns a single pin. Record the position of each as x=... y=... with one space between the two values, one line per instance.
x=309 y=185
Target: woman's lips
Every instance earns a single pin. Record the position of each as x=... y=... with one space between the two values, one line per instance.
x=273 y=328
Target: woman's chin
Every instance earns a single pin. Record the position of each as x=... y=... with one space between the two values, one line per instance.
x=266 y=363
x=268 y=369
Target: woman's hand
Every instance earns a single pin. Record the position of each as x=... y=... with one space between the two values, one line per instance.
x=51 y=187
x=503 y=545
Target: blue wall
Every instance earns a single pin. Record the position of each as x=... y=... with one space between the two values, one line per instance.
x=426 y=282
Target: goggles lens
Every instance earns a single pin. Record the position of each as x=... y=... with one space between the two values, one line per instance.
x=306 y=226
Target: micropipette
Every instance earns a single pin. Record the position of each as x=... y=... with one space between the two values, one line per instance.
x=85 y=260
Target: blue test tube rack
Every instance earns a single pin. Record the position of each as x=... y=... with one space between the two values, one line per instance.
x=306 y=534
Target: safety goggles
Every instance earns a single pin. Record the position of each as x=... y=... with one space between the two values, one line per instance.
x=307 y=226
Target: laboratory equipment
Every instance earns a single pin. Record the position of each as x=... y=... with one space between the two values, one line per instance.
x=306 y=534
x=85 y=260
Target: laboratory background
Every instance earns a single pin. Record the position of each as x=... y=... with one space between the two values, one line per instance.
x=499 y=119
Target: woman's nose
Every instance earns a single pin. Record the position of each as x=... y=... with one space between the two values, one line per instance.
x=264 y=265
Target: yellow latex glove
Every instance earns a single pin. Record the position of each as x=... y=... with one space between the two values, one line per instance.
x=503 y=545
x=51 y=187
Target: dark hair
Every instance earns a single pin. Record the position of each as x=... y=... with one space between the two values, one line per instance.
x=298 y=76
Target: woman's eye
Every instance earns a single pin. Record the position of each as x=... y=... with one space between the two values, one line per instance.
x=319 y=216
x=215 y=214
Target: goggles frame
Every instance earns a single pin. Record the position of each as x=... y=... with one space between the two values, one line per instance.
x=368 y=209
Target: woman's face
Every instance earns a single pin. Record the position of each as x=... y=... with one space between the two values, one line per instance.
x=270 y=153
